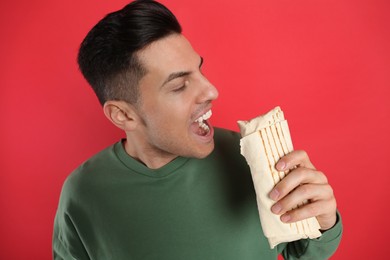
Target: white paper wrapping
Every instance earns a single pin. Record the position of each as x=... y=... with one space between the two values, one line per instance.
x=265 y=139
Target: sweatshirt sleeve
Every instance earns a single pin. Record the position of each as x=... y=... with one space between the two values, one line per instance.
x=319 y=248
x=66 y=241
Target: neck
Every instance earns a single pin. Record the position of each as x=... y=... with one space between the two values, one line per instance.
x=151 y=158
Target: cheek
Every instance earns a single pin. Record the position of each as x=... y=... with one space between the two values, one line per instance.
x=170 y=114
x=173 y=116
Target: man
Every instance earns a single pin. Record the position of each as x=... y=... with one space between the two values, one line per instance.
x=175 y=187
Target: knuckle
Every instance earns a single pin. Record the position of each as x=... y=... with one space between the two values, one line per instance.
x=301 y=153
x=304 y=153
x=323 y=176
x=298 y=214
x=334 y=203
x=329 y=191
x=299 y=173
x=304 y=190
x=313 y=209
x=304 y=172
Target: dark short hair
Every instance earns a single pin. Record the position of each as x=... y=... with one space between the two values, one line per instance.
x=107 y=56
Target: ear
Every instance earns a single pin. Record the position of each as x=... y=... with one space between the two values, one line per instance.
x=121 y=114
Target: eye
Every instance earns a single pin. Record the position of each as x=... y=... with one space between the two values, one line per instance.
x=182 y=87
x=179 y=89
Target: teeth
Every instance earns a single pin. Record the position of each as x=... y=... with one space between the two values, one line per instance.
x=205 y=116
x=200 y=120
x=204 y=126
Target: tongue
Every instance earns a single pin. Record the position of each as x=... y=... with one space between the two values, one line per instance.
x=198 y=130
x=201 y=131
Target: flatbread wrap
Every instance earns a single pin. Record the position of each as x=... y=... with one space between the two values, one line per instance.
x=265 y=139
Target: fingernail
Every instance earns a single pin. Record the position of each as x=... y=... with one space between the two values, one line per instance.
x=276 y=208
x=285 y=218
x=280 y=166
x=274 y=194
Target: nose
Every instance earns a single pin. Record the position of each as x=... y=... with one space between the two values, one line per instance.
x=208 y=91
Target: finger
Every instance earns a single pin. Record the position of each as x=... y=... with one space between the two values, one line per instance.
x=323 y=210
x=294 y=159
x=294 y=179
x=307 y=192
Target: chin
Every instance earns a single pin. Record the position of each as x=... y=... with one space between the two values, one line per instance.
x=204 y=152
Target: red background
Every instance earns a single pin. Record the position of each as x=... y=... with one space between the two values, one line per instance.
x=326 y=63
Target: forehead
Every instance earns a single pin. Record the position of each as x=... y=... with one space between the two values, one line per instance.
x=170 y=54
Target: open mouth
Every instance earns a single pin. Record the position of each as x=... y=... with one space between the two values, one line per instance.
x=203 y=127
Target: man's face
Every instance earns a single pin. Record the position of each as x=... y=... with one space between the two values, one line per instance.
x=175 y=97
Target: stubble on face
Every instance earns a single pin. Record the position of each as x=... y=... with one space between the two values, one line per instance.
x=173 y=94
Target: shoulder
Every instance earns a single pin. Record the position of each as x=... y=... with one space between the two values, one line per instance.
x=227 y=145
x=226 y=136
x=227 y=139
x=91 y=172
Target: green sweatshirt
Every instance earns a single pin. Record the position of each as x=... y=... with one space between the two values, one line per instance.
x=114 y=207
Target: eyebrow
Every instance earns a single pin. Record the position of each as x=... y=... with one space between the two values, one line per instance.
x=180 y=74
